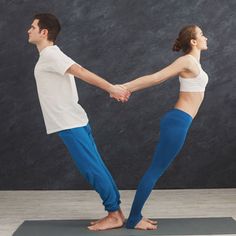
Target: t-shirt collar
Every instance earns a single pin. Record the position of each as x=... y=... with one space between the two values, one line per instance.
x=46 y=48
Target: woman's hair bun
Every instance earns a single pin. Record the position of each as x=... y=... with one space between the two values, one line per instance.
x=177 y=45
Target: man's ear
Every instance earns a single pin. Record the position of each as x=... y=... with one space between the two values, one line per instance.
x=44 y=32
x=193 y=42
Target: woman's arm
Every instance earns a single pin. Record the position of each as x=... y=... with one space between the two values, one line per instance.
x=179 y=65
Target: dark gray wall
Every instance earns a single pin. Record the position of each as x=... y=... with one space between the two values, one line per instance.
x=119 y=40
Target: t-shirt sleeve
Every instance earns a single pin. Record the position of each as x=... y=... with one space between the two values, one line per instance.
x=59 y=62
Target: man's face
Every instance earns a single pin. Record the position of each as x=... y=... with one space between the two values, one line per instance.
x=35 y=35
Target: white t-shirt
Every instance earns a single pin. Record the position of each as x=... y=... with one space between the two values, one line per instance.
x=57 y=91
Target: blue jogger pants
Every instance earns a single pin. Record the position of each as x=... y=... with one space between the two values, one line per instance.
x=80 y=144
x=173 y=130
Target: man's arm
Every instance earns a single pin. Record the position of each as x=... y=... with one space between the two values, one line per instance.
x=115 y=91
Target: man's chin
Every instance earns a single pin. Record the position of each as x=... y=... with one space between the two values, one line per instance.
x=30 y=41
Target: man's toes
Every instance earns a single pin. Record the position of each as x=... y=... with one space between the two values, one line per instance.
x=94 y=222
x=92 y=227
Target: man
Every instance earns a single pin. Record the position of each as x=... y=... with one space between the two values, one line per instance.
x=54 y=74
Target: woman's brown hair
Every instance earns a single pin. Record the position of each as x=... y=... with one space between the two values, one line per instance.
x=183 y=41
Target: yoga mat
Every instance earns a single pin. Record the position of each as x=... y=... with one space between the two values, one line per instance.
x=178 y=226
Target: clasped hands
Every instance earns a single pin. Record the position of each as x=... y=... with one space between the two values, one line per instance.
x=119 y=92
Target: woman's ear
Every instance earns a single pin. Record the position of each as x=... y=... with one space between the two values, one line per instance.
x=193 y=42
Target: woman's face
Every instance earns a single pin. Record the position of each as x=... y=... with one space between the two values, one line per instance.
x=201 y=40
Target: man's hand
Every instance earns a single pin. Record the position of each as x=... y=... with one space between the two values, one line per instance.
x=119 y=92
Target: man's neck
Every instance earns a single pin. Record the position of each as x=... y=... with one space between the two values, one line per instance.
x=40 y=46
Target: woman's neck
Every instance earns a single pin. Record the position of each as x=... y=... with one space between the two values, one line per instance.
x=196 y=53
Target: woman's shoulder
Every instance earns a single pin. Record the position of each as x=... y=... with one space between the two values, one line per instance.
x=188 y=62
x=184 y=61
x=185 y=58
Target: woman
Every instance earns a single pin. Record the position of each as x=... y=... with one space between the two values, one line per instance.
x=176 y=122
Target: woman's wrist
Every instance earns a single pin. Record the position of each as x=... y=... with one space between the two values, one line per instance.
x=126 y=86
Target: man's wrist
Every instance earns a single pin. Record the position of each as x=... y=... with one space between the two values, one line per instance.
x=109 y=88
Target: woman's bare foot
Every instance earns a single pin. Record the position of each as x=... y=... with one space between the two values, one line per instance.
x=154 y=222
x=111 y=221
x=145 y=224
x=121 y=215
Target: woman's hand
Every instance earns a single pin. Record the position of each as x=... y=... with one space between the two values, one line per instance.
x=119 y=92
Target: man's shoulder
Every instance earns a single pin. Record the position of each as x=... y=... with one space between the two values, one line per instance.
x=53 y=53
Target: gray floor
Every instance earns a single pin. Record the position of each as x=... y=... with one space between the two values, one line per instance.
x=167 y=226
x=17 y=206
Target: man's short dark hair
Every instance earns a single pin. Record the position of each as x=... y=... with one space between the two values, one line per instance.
x=51 y=23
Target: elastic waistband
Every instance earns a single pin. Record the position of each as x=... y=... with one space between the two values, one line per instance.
x=182 y=112
x=178 y=114
x=74 y=129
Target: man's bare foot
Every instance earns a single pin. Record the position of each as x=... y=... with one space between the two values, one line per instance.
x=121 y=215
x=96 y=221
x=145 y=224
x=111 y=221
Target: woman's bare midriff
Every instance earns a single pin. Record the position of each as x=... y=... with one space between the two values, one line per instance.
x=190 y=102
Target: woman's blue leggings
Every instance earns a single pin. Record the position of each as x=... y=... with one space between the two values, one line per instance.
x=173 y=130
x=81 y=145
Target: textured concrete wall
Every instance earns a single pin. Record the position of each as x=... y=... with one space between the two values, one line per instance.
x=119 y=40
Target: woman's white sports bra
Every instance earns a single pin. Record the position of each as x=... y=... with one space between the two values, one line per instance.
x=194 y=84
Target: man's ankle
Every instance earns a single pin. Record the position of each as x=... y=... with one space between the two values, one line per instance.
x=114 y=213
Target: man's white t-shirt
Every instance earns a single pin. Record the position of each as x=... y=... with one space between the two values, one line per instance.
x=57 y=91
